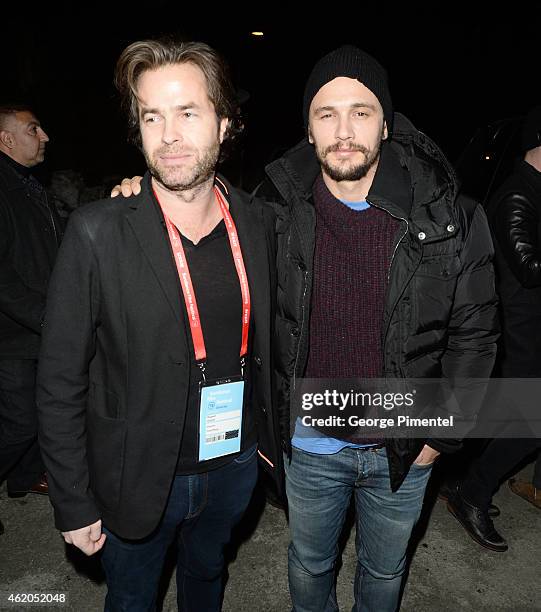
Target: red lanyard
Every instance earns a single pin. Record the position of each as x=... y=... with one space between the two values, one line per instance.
x=187 y=286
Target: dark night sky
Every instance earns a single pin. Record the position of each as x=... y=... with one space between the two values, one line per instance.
x=448 y=73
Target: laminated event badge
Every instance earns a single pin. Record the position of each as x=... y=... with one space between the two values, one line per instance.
x=220 y=417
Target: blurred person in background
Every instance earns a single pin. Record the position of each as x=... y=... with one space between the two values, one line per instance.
x=30 y=233
x=514 y=214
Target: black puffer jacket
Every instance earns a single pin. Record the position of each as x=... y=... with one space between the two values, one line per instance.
x=440 y=317
x=514 y=214
x=30 y=232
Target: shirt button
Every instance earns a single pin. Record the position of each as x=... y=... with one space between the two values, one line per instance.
x=450 y=228
x=258 y=360
x=421 y=235
x=295 y=332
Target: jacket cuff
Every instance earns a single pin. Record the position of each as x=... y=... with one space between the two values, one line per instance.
x=72 y=520
x=444 y=445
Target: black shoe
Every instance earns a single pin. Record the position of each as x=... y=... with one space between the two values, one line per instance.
x=41 y=487
x=449 y=486
x=476 y=522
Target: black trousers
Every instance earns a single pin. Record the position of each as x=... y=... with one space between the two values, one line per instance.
x=499 y=458
x=537 y=472
x=20 y=457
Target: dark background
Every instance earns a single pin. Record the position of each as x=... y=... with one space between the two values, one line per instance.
x=450 y=71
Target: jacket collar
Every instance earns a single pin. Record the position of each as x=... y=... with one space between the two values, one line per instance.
x=19 y=168
x=296 y=170
x=391 y=187
x=149 y=227
x=13 y=173
x=532 y=175
x=414 y=180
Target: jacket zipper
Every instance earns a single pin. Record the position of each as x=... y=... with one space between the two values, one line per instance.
x=401 y=237
x=392 y=258
x=51 y=218
x=305 y=290
x=302 y=327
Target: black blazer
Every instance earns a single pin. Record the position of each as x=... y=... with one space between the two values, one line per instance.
x=114 y=365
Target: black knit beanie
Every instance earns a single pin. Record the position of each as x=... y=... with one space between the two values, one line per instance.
x=531 y=130
x=349 y=61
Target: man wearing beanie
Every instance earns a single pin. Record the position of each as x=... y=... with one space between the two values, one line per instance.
x=515 y=218
x=384 y=270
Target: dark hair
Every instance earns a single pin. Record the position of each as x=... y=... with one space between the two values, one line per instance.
x=7 y=109
x=146 y=55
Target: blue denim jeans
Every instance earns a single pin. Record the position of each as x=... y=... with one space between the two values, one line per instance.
x=201 y=511
x=319 y=490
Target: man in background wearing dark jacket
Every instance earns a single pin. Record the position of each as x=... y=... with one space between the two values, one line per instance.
x=383 y=271
x=515 y=219
x=29 y=236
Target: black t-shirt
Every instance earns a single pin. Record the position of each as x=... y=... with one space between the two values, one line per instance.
x=219 y=301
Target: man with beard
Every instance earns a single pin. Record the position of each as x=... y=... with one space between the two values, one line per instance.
x=383 y=271
x=30 y=232
x=154 y=382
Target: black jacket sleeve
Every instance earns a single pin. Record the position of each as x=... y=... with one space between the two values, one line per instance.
x=474 y=325
x=516 y=226
x=68 y=345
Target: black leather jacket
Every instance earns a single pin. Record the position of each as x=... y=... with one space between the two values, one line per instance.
x=440 y=317
x=30 y=232
x=515 y=218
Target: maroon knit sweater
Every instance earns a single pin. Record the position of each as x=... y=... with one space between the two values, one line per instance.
x=352 y=256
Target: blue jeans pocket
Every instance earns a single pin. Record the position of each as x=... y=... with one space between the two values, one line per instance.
x=422 y=466
x=246 y=455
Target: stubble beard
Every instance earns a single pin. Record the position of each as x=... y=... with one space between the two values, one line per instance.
x=176 y=178
x=347 y=171
x=37 y=159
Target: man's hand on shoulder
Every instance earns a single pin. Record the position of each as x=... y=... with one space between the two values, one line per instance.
x=128 y=187
x=89 y=539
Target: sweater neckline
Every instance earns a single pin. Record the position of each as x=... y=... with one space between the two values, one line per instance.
x=335 y=212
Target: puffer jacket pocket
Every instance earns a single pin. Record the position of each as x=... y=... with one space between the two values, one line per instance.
x=434 y=288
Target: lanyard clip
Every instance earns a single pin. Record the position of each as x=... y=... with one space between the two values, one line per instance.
x=242 y=364
x=202 y=367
